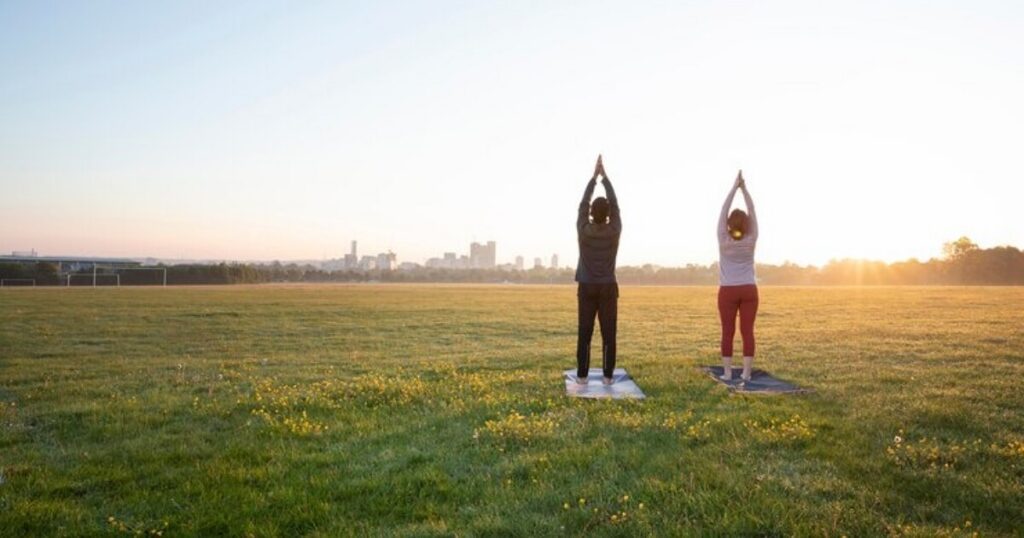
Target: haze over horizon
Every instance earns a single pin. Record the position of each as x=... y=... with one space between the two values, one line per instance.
x=266 y=130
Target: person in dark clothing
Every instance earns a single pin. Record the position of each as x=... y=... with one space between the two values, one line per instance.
x=598 y=227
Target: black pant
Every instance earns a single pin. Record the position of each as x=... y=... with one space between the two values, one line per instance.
x=602 y=300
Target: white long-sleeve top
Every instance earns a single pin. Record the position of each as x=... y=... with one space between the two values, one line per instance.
x=736 y=256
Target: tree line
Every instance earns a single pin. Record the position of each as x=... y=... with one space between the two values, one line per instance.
x=963 y=263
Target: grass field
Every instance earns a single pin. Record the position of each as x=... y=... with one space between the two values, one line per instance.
x=433 y=410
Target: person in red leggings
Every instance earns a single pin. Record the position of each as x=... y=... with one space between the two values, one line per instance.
x=737 y=292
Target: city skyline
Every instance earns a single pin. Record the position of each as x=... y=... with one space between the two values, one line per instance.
x=384 y=260
x=389 y=259
x=351 y=260
x=346 y=260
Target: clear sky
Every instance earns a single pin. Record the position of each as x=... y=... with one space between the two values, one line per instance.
x=266 y=130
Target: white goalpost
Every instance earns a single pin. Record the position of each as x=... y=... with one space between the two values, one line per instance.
x=24 y=282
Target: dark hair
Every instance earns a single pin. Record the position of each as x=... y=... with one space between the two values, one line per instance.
x=599 y=210
x=737 y=223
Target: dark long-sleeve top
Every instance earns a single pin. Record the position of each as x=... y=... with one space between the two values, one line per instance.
x=599 y=242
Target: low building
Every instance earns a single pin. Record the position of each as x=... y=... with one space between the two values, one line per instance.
x=387 y=261
x=368 y=263
x=72 y=264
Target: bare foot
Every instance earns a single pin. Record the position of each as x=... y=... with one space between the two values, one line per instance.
x=608 y=381
x=581 y=381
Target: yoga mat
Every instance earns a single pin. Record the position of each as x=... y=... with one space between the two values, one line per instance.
x=761 y=382
x=623 y=388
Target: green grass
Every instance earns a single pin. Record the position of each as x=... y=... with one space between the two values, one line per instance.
x=433 y=410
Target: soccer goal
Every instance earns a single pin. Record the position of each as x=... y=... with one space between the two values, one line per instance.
x=19 y=282
x=98 y=279
x=161 y=277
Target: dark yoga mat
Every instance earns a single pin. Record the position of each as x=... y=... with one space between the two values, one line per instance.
x=761 y=382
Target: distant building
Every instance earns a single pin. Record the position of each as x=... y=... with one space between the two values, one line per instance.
x=554 y=261
x=519 y=263
x=449 y=261
x=368 y=263
x=25 y=253
x=538 y=264
x=387 y=261
x=483 y=256
x=475 y=254
x=409 y=266
x=351 y=259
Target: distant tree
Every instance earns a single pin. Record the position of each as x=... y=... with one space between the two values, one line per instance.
x=12 y=270
x=954 y=250
x=46 y=269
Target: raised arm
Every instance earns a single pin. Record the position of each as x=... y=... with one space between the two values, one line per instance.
x=723 y=227
x=751 y=214
x=614 y=219
x=582 y=217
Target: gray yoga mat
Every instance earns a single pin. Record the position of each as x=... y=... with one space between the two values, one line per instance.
x=761 y=382
x=623 y=388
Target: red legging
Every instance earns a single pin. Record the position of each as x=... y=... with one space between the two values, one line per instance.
x=744 y=299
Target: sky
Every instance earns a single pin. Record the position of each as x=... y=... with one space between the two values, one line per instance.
x=278 y=130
